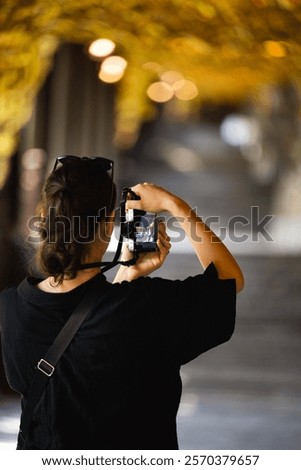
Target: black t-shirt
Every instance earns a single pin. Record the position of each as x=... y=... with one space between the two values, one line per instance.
x=117 y=385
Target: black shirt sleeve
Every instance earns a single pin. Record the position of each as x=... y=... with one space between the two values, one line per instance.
x=196 y=314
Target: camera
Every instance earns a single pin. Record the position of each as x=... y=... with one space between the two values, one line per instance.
x=139 y=228
x=141 y=231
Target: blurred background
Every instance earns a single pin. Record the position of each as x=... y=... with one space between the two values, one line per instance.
x=201 y=97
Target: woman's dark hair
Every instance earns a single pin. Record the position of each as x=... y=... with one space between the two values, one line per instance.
x=75 y=200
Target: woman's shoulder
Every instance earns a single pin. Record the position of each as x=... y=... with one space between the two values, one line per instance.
x=156 y=283
x=8 y=292
x=148 y=288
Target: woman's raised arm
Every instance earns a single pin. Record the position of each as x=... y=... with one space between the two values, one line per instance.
x=208 y=247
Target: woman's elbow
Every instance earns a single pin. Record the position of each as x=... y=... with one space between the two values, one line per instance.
x=239 y=278
x=240 y=282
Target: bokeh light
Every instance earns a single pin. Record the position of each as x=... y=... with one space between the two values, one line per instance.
x=239 y=130
x=33 y=159
x=185 y=90
x=110 y=77
x=114 y=64
x=160 y=92
x=112 y=69
x=101 y=48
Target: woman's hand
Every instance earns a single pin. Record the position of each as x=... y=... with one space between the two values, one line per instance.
x=147 y=262
x=152 y=198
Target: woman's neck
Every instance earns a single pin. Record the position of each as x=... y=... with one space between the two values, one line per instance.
x=49 y=284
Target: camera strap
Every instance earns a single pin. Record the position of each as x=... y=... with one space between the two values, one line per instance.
x=106 y=265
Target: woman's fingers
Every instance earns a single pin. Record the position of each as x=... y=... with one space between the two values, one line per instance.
x=153 y=198
x=163 y=239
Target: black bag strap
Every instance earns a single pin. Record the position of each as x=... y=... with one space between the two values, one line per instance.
x=46 y=365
